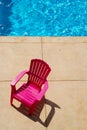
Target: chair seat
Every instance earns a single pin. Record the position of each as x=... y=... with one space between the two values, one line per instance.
x=27 y=94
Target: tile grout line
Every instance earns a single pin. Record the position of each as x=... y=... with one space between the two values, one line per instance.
x=42 y=59
x=58 y=42
x=45 y=115
x=42 y=47
x=49 y=80
x=65 y=80
x=9 y=80
x=19 y=42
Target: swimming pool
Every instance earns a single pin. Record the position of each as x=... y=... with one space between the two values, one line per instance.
x=43 y=17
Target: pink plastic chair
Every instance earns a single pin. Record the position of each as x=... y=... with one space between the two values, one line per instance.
x=31 y=93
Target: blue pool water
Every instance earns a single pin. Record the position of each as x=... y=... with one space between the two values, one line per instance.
x=43 y=17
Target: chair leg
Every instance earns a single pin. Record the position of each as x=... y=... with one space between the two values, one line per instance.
x=12 y=92
x=32 y=109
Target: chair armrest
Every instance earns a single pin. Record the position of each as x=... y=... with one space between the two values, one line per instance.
x=42 y=92
x=19 y=76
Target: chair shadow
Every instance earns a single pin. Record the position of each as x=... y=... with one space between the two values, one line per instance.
x=36 y=115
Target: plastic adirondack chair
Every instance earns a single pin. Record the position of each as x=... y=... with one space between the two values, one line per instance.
x=32 y=92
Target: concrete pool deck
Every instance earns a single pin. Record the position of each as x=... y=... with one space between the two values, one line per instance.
x=65 y=104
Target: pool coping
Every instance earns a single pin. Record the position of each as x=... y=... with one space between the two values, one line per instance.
x=28 y=39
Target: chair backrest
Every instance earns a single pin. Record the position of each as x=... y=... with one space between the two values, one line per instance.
x=38 y=71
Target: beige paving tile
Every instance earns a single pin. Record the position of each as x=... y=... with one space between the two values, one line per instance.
x=16 y=57
x=12 y=119
x=59 y=40
x=68 y=61
x=20 y=39
x=72 y=100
